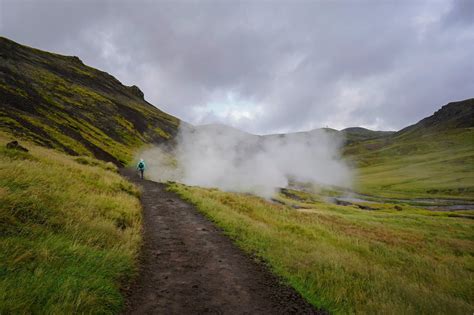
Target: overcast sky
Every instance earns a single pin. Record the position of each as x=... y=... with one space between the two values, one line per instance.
x=268 y=66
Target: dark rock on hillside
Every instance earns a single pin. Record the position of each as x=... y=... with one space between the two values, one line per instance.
x=451 y=116
x=14 y=145
x=136 y=91
x=77 y=60
x=58 y=102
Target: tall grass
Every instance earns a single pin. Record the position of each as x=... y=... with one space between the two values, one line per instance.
x=353 y=261
x=69 y=233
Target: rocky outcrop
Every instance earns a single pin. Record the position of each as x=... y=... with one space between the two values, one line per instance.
x=136 y=91
x=14 y=145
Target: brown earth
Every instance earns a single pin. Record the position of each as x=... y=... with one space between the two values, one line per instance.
x=188 y=266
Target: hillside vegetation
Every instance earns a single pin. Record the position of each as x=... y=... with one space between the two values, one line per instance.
x=347 y=260
x=70 y=230
x=355 y=134
x=58 y=102
x=431 y=159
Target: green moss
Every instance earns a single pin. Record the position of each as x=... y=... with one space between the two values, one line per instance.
x=58 y=136
x=8 y=121
x=82 y=71
x=162 y=133
x=89 y=95
x=46 y=78
x=13 y=90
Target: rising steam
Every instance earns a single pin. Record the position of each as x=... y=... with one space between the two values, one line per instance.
x=232 y=160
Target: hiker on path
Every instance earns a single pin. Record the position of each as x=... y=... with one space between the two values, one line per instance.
x=141 y=166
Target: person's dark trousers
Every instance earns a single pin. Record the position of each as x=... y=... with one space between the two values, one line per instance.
x=141 y=174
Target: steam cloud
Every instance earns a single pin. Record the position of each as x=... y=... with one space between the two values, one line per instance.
x=232 y=160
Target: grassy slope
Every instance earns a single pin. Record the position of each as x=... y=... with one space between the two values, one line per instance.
x=57 y=101
x=432 y=159
x=69 y=233
x=435 y=166
x=360 y=134
x=348 y=260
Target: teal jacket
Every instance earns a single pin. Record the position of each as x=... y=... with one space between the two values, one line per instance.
x=144 y=165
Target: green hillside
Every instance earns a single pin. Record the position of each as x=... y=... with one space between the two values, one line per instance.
x=350 y=135
x=455 y=115
x=70 y=232
x=355 y=134
x=70 y=225
x=431 y=159
x=58 y=102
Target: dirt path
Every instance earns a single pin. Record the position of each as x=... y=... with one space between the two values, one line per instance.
x=189 y=267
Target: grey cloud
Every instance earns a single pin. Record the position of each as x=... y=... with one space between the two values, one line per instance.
x=302 y=64
x=461 y=12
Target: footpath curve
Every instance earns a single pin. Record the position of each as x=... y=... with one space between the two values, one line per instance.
x=188 y=266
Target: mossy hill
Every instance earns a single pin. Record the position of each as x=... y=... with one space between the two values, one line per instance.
x=433 y=158
x=59 y=102
x=455 y=115
x=350 y=135
x=355 y=134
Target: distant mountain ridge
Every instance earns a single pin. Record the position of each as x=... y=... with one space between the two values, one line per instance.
x=453 y=115
x=59 y=102
x=354 y=134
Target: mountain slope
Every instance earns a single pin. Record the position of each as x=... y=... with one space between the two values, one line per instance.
x=454 y=115
x=348 y=135
x=354 y=134
x=433 y=158
x=58 y=102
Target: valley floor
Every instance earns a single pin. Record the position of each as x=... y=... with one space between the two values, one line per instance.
x=390 y=258
x=190 y=266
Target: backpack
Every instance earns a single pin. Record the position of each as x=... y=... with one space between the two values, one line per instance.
x=141 y=165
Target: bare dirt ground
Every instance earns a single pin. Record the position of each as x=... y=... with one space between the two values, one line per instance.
x=188 y=266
